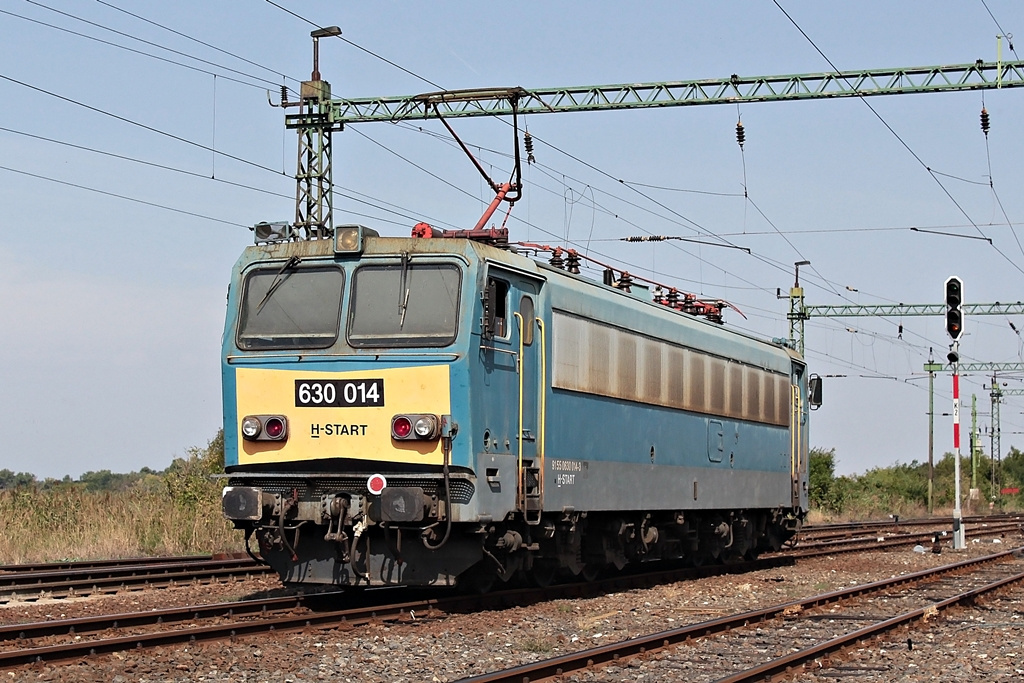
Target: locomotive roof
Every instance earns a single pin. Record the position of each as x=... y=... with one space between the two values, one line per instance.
x=571 y=293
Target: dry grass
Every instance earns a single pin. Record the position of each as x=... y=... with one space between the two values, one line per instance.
x=68 y=523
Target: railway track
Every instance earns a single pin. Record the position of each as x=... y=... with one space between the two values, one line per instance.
x=823 y=532
x=28 y=582
x=34 y=581
x=64 y=639
x=754 y=652
x=925 y=538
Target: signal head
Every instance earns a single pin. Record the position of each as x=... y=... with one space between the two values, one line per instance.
x=954 y=291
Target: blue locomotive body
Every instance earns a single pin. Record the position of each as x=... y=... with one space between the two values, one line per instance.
x=432 y=410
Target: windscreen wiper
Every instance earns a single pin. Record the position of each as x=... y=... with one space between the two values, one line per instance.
x=278 y=279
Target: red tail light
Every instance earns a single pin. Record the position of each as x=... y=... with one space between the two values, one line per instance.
x=274 y=427
x=401 y=427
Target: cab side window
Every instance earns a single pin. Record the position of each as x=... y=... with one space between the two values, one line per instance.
x=495 y=309
x=526 y=310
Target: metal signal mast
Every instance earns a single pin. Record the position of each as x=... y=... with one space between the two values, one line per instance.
x=319 y=115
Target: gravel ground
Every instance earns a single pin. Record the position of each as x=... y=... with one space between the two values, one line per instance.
x=977 y=644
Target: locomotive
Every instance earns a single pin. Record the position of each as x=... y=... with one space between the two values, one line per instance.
x=445 y=409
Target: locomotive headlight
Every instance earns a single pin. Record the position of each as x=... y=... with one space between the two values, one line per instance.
x=348 y=239
x=425 y=427
x=251 y=427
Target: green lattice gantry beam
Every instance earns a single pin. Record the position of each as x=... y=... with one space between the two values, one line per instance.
x=901 y=310
x=733 y=89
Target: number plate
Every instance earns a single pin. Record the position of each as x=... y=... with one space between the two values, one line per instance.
x=334 y=393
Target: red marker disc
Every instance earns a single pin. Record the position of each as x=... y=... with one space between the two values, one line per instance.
x=376 y=483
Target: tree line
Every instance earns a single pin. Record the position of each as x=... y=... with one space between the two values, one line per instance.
x=903 y=488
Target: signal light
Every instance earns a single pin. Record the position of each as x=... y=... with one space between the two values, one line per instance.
x=264 y=428
x=274 y=427
x=421 y=427
x=954 y=307
x=401 y=427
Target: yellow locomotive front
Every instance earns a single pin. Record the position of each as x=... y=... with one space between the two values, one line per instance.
x=338 y=367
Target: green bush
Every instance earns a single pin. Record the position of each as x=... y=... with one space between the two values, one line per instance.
x=105 y=515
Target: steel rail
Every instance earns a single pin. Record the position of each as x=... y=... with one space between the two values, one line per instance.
x=788 y=662
x=586 y=659
x=31 y=585
x=917 y=521
x=28 y=631
x=336 y=618
x=27 y=567
x=110 y=577
x=50 y=653
x=42 y=577
x=80 y=625
x=891 y=540
x=357 y=615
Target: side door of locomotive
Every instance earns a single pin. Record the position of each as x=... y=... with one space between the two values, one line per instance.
x=514 y=347
x=798 y=434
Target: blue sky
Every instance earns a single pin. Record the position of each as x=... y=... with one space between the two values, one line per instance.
x=112 y=306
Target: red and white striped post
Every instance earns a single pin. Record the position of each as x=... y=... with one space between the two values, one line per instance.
x=958 y=528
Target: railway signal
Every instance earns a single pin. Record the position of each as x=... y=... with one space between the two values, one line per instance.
x=954 y=307
x=954 y=290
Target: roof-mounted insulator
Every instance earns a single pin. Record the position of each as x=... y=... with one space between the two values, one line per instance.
x=690 y=304
x=672 y=300
x=714 y=314
x=624 y=282
x=741 y=135
x=556 y=258
x=528 y=143
x=572 y=262
x=984 y=121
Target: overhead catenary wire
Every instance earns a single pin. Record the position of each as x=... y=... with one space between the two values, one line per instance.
x=132 y=50
x=195 y=40
x=346 y=193
x=573 y=157
x=903 y=142
x=120 y=196
x=144 y=41
x=139 y=124
x=985 y=126
x=723 y=271
x=357 y=46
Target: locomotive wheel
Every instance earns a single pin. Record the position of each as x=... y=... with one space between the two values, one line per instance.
x=590 y=572
x=543 y=572
x=478 y=579
x=732 y=557
x=700 y=558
